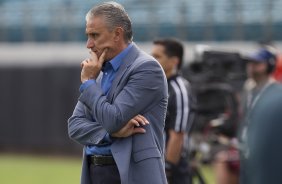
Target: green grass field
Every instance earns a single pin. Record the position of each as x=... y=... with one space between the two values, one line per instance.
x=207 y=174
x=27 y=169
x=39 y=170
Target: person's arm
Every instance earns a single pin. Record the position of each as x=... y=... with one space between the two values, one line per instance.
x=174 y=146
x=178 y=107
x=144 y=88
x=89 y=132
x=83 y=129
x=173 y=152
x=178 y=119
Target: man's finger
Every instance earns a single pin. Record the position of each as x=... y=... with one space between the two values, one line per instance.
x=138 y=130
x=102 y=57
x=83 y=62
x=140 y=120
x=134 y=122
x=94 y=56
x=143 y=119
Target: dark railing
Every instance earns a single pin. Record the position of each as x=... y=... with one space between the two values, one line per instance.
x=35 y=103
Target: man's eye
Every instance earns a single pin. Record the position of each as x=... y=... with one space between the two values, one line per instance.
x=94 y=35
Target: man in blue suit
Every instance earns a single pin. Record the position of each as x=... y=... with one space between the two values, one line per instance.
x=120 y=114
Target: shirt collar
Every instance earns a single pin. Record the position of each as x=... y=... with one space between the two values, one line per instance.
x=117 y=61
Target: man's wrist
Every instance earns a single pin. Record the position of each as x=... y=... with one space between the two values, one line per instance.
x=169 y=168
x=169 y=165
x=86 y=84
x=88 y=78
x=85 y=80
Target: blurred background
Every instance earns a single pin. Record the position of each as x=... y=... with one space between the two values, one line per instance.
x=43 y=42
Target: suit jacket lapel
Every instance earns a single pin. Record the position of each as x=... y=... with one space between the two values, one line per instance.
x=127 y=61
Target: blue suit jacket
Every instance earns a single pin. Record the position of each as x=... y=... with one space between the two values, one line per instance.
x=139 y=87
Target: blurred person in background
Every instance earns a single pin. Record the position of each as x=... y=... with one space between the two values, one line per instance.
x=226 y=162
x=277 y=72
x=111 y=118
x=260 y=131
x=169 y=53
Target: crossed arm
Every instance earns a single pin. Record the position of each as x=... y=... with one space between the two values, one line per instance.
x=86 y=131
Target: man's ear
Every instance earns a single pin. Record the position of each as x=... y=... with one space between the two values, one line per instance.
x=175 y=60
x=118 y=33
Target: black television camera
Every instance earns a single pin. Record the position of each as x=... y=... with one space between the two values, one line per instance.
x=216 y=78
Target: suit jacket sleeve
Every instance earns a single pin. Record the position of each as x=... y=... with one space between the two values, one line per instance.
x=144 y=88
x=83 y=128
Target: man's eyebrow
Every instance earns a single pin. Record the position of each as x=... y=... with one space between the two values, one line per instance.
x=91 y=32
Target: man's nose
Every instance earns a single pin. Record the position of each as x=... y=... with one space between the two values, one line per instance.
x=90 y=43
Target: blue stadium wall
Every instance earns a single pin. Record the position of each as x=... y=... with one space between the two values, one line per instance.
x=223 y=32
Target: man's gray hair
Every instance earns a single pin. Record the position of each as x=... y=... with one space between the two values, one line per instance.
x=115 y=16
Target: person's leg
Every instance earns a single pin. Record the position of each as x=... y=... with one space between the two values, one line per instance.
x=181 y=174
x=181 y=178
x=223 y=174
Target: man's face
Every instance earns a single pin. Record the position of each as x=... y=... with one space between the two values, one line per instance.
x=158 y=52
x=255 y=69
x=99 y=37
